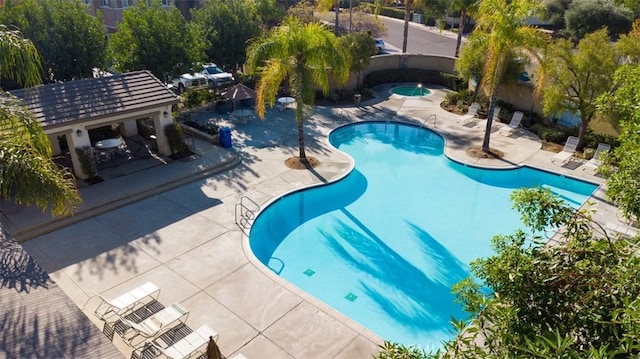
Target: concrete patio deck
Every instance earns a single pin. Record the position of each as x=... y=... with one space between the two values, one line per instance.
x=174 y=225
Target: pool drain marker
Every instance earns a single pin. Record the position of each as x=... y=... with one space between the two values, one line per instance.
x=351 y=297
x=309 y=272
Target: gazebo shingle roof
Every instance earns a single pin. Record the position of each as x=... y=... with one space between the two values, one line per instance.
x=74 y=101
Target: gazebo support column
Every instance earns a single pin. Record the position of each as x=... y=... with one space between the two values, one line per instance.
x=129 y=128
x=77 y=138
x=160 y=121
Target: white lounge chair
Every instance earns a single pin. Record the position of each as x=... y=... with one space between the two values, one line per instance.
x=513 y=125
x=568 y=150
x=154 y=326
x=595 y=161
x=471 y=114
x=127 y=302
x=191 y=346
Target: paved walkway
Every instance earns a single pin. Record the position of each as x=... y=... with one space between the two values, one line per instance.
x=174 y=224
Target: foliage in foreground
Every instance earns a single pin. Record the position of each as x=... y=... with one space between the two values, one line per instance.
x=28 y=175
x=576 y=297
x=622 y=167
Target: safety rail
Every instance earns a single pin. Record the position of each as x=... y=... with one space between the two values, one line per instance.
x=246 y=211
x=427 y=119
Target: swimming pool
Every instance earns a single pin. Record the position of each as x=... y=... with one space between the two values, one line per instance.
x=385 y=244
x=411 y=91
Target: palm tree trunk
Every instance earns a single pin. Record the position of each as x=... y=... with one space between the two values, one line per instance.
x=487 y=131
x=302 y=154
x=299 y=122
x=336 y=26
x=463 y=24
x=407 y=10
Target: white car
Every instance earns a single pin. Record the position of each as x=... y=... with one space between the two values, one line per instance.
x=216 y=76
x=380 y=45
x=188 y=81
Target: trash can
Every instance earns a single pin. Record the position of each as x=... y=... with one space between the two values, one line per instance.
x=225 y=137
x=356 y=99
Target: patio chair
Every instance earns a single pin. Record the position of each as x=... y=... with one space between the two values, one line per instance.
x=192 y=346
x=471 y=114
x=568 y=150
x=513 y=125
x=127 y=302
x=154 y=326
x=595 y=161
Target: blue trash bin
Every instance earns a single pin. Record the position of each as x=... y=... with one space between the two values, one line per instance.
x=225 y=137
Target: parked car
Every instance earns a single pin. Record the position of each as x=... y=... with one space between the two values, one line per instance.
x=216 y=76
x=380 y=45
x=189 y=81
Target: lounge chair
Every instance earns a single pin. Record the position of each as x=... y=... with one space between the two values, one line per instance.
x=154 y=326
x=191 y=346
x=595 y=161
x=470 y=115
x=127 y=302
x=568 y=150
x=513 y=125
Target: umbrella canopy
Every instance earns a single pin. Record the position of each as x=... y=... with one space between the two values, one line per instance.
x=213 y=352
x=239 y=92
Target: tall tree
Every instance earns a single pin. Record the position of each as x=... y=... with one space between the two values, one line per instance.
x=586 y=16
x=466 y=8
x=499 y=25
x=305 y=56
x=571 y=79
x=71 y=42
x=623 y=165
x=156 y=39
x=359 y=47
x=28 y=175
x=227 y=26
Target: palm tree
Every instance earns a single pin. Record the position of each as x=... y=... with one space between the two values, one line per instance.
x=325 y=5
x=500 y=27
x=302 y=55
x=466 y=7
x=28 y=175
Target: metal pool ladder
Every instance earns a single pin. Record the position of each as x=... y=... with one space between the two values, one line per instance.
x=433 y=115
x=246 y=211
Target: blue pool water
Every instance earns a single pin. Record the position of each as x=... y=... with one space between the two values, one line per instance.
x=385 y=244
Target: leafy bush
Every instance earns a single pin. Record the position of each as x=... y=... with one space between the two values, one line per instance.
x=549 y=134
x=577 y=298
x=209 y=128
x=175 y=136
x=87 y=162
x=397 y=351
x=592 y=139
x=391 y=12
x=586 y=16
x=196 y=98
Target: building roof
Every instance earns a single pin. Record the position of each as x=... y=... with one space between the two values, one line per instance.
x=76 y=101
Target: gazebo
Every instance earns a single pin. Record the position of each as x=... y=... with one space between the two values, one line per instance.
x=72 y=108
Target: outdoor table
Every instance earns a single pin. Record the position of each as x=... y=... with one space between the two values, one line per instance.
x=242 y=114
x=286 y=101
x=108 y=144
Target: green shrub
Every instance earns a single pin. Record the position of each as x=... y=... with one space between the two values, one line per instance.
x=391 y=12
x=175 y=136
x=196 y=98
x=549 y=134
x=592 y=139
x=87 y=162
x=588 y=152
